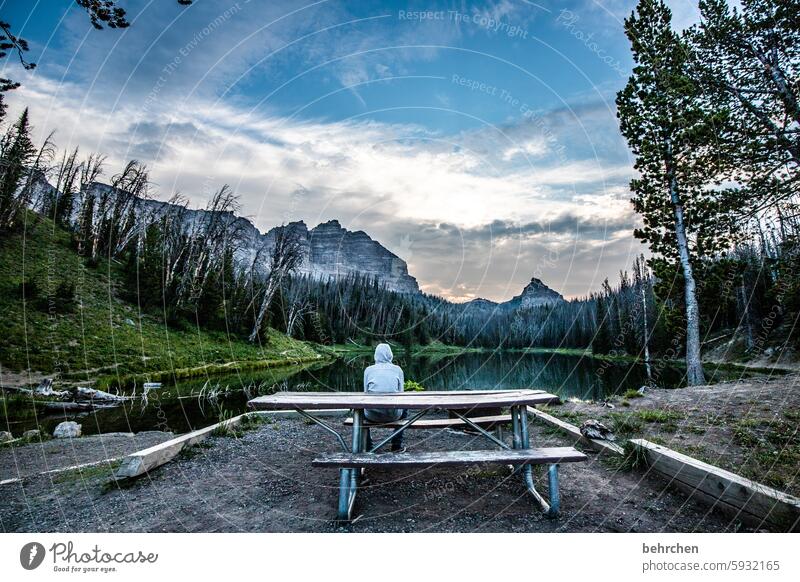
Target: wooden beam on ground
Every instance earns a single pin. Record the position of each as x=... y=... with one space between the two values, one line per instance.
x=571 y=429
x=753 y=503
x=140 y=462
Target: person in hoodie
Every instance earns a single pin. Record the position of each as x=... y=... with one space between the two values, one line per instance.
x=384 y=377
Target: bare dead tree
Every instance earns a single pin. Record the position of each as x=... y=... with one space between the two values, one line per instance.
x=285 y=258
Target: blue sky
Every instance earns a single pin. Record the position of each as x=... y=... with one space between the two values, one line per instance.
x=477 y=140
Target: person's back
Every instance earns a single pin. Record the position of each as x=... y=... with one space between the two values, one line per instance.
x=383 y=377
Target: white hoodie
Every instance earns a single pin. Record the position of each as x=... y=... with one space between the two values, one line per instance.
x=383 y=377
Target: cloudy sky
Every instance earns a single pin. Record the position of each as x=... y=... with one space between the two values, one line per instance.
x=476 y=140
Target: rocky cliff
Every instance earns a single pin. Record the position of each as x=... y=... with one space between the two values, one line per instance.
x=330 y=250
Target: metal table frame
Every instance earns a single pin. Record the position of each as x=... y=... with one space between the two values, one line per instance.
x=348 y=477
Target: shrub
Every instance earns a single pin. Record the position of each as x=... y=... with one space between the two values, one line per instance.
x=29 y=289
x=65 y=294
x=411 y=386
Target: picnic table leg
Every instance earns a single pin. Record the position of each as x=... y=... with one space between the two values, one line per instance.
x=348 y=478
x=555 y=500
x=519 y=420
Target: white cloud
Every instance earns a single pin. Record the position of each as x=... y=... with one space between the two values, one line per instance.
x=379 y=177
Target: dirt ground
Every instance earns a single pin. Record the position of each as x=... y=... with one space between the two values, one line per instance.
x=31 y=459
x=262 y=481
x=750 y=427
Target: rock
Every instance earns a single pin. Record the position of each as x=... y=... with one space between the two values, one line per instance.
x=5 y=436
x=330 y=251
x=67 y=430
x=642 y=390
x=130 y=322
x=593 y=429
x=31 y=434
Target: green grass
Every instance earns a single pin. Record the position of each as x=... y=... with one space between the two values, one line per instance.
x=81 y=474
x=625 y=424
x=94 y=337
x=434 y=348
x=631 y=393
x=773 y=450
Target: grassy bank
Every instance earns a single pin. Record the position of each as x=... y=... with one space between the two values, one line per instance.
x=95 y=333
x=433 y=348
x=727 y=366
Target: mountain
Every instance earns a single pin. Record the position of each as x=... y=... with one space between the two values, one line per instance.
x=329 y=250
x=535 y=294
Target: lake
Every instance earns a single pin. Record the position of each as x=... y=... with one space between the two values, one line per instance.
x=194 y=404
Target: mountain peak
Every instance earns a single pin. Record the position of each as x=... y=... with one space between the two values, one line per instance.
x=536 y=294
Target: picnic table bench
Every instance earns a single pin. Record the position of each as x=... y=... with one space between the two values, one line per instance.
x=355 y=458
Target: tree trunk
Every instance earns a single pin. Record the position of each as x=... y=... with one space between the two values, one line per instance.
x=646 y=332
x=269 y=291
x=694 y=366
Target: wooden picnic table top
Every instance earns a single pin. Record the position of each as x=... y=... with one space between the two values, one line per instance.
x=410 y=400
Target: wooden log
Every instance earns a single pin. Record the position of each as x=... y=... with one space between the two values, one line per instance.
x=571 y=429
x=140 y=462
x=755 y=504
x=99 y=396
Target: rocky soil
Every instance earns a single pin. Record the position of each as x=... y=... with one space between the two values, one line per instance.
x=750 y=426
x=262 y=480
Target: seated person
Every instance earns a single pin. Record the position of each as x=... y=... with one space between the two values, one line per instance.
x=383 y=377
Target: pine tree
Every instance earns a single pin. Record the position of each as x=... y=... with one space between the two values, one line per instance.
x=670 y=131
x=17 y=153
x=748 y=61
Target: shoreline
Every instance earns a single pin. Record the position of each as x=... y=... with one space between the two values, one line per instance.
x=103 y=381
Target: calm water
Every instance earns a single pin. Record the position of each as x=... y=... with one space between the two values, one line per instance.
x=195 y=404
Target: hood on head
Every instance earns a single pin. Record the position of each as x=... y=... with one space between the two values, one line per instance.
x=383 y=354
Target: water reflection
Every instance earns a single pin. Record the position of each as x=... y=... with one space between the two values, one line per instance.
x=187 y=406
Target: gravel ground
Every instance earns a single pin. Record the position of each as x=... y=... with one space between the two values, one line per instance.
x=32 y=459
x=263 y=481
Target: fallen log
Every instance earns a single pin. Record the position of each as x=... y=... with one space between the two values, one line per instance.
x=46 y=389
x=99 y=395
x=141 y=462
x=67 y=406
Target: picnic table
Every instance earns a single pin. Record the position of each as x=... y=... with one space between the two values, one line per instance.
x=355 y=458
